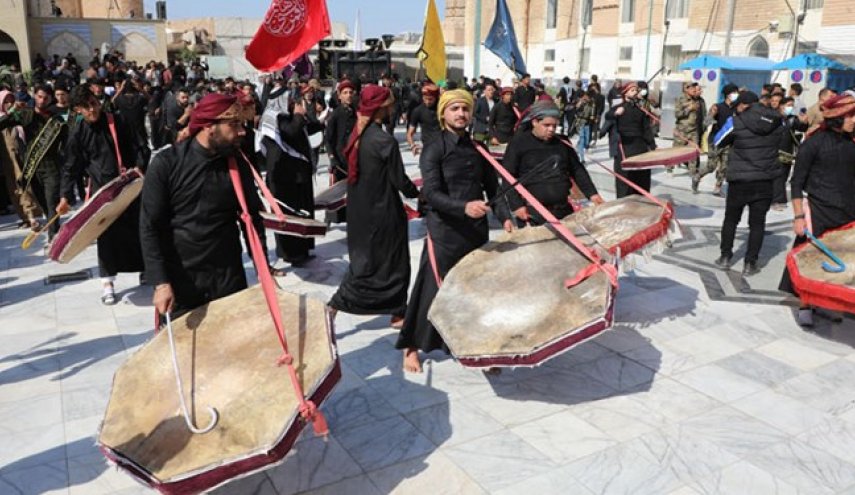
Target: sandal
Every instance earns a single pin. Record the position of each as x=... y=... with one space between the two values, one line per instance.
x=277 y=272
x=109 y=297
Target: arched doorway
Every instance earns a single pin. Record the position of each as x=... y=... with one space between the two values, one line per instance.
x=9 y=50
x=758 y=47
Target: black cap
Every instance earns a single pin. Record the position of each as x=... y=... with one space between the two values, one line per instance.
x=747 y=98
x=729 y=88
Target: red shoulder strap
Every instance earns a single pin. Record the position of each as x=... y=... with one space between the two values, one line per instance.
x=111 y=123
x=308 y=410
x=265 y=191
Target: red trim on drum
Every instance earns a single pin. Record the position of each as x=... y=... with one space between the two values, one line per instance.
x=813 y=292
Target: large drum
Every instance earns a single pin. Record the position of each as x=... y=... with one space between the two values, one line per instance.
x=227 y=352
x=506 y=304
x=661 y=157
x=813 y=274
x=96 y=216
x=333 y=198
x=293 y=225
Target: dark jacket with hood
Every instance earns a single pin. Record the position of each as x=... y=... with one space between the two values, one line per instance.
x=755 y=140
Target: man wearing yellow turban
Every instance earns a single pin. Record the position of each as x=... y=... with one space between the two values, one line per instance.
x=457 y=180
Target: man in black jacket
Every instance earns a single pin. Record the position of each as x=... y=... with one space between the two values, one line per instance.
x=754 y=133
x=483 y=107
x=524 y=95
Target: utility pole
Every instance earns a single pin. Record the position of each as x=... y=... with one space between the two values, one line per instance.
x=731 y=12
x=799 y=18
x=477 y=49
x=649 y=33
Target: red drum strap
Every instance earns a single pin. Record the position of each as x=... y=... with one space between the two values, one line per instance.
x=597 y=262
x=265 y=191
x=111 y=123
x=308 y=410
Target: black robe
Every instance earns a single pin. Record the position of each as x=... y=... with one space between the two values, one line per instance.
x=338 y=130
x=635 y=136
x=503 y=120
x=546 y=169
x=290 y=179
x=189 y=224
x=824 y=169
x=91 y=149
x=377 y=242
x=454 y=173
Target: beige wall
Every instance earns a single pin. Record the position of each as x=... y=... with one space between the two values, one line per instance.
x=14 y=23
x=838 y=13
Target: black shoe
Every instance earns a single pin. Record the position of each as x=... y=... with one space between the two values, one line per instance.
x=143 y=281
x=300 y=260
x=750 y=268
x=724 y=262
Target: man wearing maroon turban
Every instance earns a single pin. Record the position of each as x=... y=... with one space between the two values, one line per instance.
x=190 y=213
x=377 y=243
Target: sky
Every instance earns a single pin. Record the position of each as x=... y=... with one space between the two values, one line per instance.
x=377 y=17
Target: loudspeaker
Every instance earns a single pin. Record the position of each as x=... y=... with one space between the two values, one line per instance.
x=160 y=9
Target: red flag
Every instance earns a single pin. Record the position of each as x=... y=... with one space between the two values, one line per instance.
x=290 y=29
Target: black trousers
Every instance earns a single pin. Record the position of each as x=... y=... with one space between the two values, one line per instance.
x=47 y=177
x=641 y=178
x=757 y=196
x=779 y=186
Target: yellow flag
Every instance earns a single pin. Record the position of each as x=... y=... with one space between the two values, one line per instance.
x=432 y=51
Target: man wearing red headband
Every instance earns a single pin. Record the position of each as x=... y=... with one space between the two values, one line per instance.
x=635 y=136
x=825 y=171
x=190 y=214
x=377 y=279
x=424 y=116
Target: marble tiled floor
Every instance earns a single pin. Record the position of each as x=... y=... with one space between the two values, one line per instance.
x=706 y=385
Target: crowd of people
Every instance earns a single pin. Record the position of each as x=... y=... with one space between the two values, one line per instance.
x=196 y=139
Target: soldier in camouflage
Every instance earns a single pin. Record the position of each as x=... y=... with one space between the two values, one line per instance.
x=690 y=112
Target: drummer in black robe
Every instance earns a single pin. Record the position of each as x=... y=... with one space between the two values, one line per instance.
x=289 y=174
x=826 y=173
x=635 y=136
x=503 y=118
x=456 y=178
x=339 y=128
x=377 y=242
x=545 y=166
x=190 y=213
x=92 y=149
x=425 y=117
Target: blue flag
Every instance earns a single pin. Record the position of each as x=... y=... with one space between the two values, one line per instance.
x=502 y=40
x=722 y=133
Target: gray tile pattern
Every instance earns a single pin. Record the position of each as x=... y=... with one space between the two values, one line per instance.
x=706 y=385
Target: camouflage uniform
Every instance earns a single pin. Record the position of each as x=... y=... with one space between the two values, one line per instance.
x=717 y=160
x=688 y=126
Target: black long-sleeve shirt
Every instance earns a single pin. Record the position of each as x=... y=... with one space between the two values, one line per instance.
x=825 y=170
x=556 y=165
x=338 y=130
x=503 y=119
x=189 y=224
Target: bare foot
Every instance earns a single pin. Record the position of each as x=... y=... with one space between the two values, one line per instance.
x=412 y=364
x=494 y=371
x=397 y=322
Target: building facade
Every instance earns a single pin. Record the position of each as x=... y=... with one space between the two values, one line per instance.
x=33 y=27
x=635 y=38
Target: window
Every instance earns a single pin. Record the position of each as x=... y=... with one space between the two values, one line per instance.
x=626 y=53
x=758 y=47
x=677 y=9
x=627 y=11
x=551 y=13
x=587 y=12
x=549 y=55
x=814 y=4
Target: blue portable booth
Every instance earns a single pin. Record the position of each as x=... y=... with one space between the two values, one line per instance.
x=815 y=72
x=713 y=72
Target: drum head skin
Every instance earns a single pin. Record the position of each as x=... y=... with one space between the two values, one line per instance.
x=660 y=158
x=96 y=216
x=505 y=304
x=817 y=287
x=227 y=352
